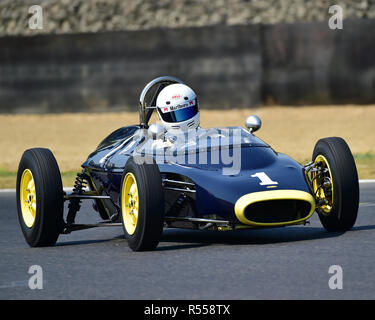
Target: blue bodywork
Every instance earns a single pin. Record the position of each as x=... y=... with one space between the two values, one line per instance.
x=216 y=193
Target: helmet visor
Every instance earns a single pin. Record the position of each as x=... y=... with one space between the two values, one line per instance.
x=180 y=115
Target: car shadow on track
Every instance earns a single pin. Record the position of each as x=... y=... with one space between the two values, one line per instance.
x=188 y=239
x=83 y=242
x=243 y=237
x=360 y=228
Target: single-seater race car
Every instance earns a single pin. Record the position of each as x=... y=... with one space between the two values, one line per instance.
x=149 y=177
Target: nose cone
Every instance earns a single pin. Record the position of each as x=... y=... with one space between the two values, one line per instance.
x=274 y=208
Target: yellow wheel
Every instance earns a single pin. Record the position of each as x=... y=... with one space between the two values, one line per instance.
x=130 y=203
x=323 y=185
x=28 y=198
x=142 y=205
x=40 y=200
x=335 y=184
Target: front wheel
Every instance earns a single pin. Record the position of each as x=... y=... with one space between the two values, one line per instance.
x=335 y=184
x=142 y=205
x=40 y=202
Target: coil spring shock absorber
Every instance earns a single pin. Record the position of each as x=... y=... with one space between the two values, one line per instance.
x=75 y=203
x=181 y=203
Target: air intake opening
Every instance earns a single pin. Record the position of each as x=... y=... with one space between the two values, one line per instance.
x=277 y=211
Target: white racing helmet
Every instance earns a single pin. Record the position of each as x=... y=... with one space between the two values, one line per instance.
x=177 y=106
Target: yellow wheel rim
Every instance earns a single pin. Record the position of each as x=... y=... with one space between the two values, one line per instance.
x=323 y=195
x=28 y=198
x=130 y=203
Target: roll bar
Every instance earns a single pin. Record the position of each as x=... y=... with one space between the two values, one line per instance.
x=145 y=108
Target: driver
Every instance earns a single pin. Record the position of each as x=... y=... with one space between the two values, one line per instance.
x=177 y=106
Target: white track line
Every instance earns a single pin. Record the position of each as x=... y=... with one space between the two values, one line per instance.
x=70 y=189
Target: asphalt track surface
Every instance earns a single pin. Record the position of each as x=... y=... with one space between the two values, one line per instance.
x=283 y=263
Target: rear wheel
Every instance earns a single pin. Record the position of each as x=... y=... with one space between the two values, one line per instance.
x=39 y=197
x=335 y=184
x=142 y=205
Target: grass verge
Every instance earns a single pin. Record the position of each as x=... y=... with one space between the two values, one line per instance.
x=8 y=179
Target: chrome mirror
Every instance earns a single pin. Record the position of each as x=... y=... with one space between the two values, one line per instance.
x=253 y=123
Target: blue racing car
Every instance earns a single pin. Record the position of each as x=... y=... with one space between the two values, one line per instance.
x=175 y=174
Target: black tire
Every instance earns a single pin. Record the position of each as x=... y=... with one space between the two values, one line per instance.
x=150 y=222
x=345 y=184
x=48 y=221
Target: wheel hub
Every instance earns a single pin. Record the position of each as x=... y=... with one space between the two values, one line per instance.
x=28 y=198
x=321 y=182
x=130 y=203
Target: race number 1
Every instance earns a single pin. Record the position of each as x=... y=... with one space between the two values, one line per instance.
x=264 y=179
